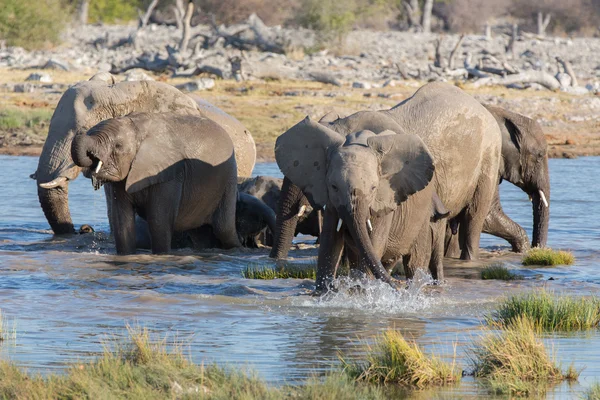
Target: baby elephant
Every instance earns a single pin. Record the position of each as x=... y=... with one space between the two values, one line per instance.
x=177 y=172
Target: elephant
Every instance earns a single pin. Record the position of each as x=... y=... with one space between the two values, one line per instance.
x=177 y=172
x=462 y=137
x=376 y=186
x=87 y=103
x=268 y=189
x=524 y=163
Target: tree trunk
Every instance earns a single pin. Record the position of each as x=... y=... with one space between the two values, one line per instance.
x=82 y=11
x=427 y=7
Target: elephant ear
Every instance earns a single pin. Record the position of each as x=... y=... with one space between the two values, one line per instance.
x=406 y=166
x=157 y=160
x=301 y=154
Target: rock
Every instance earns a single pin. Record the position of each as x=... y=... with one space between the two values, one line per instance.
x=44 y=78
x=56 y=64
x=104 y=67
x=579 y=90
x=362 y=85
x=390 y=83
x=570 y=142
x=198 y=84
x=563 y=79
x=24 y=88
x=137 y=74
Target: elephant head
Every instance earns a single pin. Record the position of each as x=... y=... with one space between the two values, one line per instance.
x=524 y=163
x=81 y=107
x=360 y=176
x=293 y=201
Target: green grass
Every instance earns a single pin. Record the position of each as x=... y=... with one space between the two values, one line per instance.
x=549 y=311
x=499 y=272
x=14 y=118
x=548 y=257
x=288 y=271
x=514 y=361
x=142 y=368
x=593 y=392
x=394 y=360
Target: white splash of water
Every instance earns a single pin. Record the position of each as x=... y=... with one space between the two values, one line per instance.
x=374 y=295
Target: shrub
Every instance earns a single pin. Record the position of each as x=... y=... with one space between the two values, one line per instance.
x=548 y=257
x=331 y=19
x=549 y=312
x=394 y=360
x=515 y=361
x=32 y=24
x=500 y=272
x=111 y=11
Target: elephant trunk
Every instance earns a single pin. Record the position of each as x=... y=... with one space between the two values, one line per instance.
x=359 y=225
x=290 y=201
x=80 y=150
x=55 y=204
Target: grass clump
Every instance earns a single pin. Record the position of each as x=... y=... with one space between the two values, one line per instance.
x=593 y=392
x=289 y=271
x=549 y=312
x=13 y=118
x=514 y=361
x=6 y=332
x=499 y=272
x=395 y=360
x=546 y=256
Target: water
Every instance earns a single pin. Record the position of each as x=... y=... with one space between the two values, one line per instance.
x=69 y=296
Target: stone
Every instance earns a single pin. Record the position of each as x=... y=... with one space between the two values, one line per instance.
x=570 y=142
x=24 y=88
x=44 y=78
x=198 y=84
x=137 y=74
x=362 y=85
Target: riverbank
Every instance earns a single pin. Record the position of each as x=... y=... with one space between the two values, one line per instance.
x=267 y=108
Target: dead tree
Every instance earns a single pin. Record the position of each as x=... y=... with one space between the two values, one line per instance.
x=510 y=48
x=187 y=19
x=413 y=13
x=568 y=68
x=82 y=11
x=146 y=17
x=426 y=22
x=542 y=23
x=440 y=62
x=454 y=51
x=236 y=68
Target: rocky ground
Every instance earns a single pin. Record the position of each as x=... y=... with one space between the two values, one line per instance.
x=369 y=70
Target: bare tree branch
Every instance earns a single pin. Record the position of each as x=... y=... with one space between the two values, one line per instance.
x=146 y=17
x=569 y=70
x=454 y=51
x=187 y=19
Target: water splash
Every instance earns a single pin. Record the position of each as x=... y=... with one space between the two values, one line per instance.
x=374 y=295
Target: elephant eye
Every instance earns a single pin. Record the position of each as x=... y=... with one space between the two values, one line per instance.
x=118 y=146
x=373 y=188
x=335 y=188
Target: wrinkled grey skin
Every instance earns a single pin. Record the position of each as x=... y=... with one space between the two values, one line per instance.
x=376 y=189
x=176 y=172
x=268 y=189
x=462 y=137
x=524 y=163
x=87 y=103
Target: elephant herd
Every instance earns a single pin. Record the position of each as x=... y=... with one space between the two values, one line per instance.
x=412 y=184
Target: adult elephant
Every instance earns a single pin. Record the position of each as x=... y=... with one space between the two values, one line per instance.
x=178 y=172
x=463 y=140
x=524 y=163
x=86 y=104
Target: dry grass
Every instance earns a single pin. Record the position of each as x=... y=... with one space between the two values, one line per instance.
x=549 y=312
x=8 y=331
x=514 y=361
x=548 y=257
x=593 y=392
x=396 y=361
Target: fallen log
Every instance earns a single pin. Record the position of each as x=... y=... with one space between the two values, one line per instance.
x=540 y=77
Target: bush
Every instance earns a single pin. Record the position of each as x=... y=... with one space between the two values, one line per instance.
x=549 y=312
x=394 y=360
x=332 y=19
x=111 y=11
x=548 y=257
x=32 y=24
x=515 y=361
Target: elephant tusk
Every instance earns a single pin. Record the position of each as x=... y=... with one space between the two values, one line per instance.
x=98 y=167
x=543 y=196
x=301 y=212
x=339 y=225
x=369 y=225
x=54 y=183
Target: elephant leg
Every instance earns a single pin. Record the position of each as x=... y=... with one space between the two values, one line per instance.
x=122 y=219
x=497 y=223
x=451 y=241
x=474 y=217
x=330 y=251
x=420 y=253
x=162 y=208
x=223 y=220
x=436 y=266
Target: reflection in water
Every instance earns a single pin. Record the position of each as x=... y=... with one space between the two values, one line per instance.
x=69 y=294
